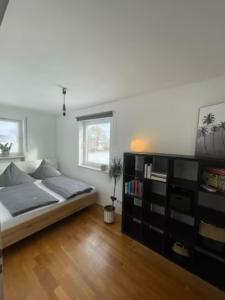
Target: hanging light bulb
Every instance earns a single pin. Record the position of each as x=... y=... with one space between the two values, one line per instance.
x=64 y=101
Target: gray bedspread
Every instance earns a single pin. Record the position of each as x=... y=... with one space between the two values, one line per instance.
x=67 y=187
x=22 y=198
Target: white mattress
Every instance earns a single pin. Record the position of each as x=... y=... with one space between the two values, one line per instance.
x=8 y=221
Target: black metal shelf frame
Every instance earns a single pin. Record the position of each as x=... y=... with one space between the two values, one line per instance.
x=142 y=220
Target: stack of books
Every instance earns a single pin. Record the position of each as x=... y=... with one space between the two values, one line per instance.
x=134 y=188
x=159 y=176
x=150 y=174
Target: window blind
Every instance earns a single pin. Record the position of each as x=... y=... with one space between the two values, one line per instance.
x=106 y=114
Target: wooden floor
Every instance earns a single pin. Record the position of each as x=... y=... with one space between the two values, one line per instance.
x=82 y=258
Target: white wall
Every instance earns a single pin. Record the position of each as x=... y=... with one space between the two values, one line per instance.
x=41 y=133
x=167 y=119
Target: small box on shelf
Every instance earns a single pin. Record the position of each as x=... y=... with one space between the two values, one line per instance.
x=181 y=200
x=214 y=178
x=212 y=237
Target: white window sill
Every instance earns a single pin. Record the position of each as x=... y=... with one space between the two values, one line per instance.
x=94 y=169
x=12 y=156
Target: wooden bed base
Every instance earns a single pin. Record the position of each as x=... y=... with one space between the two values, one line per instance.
x=19 y=232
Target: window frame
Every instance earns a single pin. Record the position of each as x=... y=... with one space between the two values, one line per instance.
x=83 y=162
x=21 y=137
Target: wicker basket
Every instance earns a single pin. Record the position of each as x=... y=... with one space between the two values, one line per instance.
x=212 y=232
x=178 y=248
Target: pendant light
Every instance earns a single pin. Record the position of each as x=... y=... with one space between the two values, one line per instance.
x=64 y=101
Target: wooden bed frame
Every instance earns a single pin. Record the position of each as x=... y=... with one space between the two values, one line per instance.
x=19 y=232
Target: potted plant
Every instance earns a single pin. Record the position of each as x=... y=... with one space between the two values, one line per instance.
x=5 y=148
x=115 y=172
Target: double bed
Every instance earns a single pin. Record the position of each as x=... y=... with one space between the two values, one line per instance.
x=17 y=227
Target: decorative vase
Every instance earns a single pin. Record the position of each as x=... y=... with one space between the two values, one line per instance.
x=109 y=214
x=103 y=168
x=5 y=152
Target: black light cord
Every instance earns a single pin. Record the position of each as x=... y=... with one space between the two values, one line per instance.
x=64 y=101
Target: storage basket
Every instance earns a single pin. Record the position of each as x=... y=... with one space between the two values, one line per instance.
x=210 y=179
x=179 y=248
x=212 y=232
x=212 y=245
x=221 y=183
x=212 y=237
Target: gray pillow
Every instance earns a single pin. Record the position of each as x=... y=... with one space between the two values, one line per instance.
x=14 y=176
x=45 y=170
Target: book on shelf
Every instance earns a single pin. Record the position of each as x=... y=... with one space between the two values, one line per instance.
x=156 y=229
x=126 y=188
x=158 y=178
x=161 y=175
x=147 y=171
x=134 y=188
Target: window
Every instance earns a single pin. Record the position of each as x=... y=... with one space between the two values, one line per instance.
x=94 y=141
x=11 y=132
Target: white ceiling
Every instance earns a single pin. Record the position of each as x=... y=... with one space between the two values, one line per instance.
x=103 y=50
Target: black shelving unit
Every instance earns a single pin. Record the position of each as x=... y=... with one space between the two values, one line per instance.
x=169 y=210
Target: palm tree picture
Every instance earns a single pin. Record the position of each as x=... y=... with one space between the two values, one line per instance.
x=222 y=127
x=204 y=131
x=211 y=131
x=208 y=119
x=214 y=130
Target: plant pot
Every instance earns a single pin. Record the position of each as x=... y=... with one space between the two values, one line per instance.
x=103 y=168
x=109 y=214
x=5 y=153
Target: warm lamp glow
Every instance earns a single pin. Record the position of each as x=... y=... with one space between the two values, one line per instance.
x=140 y=145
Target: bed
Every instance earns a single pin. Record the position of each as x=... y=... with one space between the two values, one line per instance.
x=25 y=224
